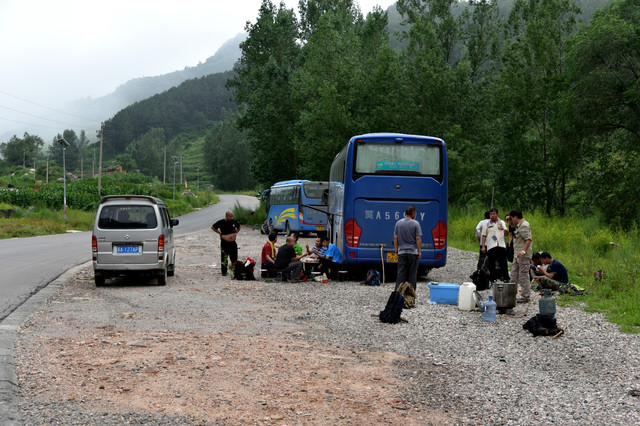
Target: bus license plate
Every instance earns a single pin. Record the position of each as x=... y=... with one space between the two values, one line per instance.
x=319 y=228
x=392 y=258
x=127 y=249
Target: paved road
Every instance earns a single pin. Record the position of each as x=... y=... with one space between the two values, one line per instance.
x=29 y=264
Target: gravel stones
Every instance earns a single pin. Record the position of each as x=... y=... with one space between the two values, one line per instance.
x=450 y=366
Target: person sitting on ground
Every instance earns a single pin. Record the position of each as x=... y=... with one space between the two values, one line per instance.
x=555 y=275
x=536 y=259
x=317 y=249
x=288 y=261
x=330 y=260
x=269 y=252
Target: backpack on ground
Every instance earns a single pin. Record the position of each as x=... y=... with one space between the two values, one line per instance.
x=480 y=277
x=373 y=278
x=393 y=309
x=243 y=271
x=409 y=294
x=542 y=325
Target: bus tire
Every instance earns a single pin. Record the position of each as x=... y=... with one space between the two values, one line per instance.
x=287 y=229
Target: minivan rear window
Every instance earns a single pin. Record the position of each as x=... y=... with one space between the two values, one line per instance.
x=127 y=217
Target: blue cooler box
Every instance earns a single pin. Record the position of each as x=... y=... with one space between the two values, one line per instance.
x=443 y=293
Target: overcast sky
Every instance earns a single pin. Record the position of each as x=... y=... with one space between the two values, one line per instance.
x=54 y=51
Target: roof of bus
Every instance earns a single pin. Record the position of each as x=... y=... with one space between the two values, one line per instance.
x=293 y=182
x=394 y=136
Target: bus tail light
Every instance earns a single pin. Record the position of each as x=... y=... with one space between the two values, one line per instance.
x=94 y=247
x=439 y=234
x=161 y=247
x=352 y=233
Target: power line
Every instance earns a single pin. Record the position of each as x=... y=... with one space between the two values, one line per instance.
x=30 y=124
x=36 y=116
x=49 y=108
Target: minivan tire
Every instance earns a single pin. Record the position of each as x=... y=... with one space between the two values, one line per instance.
x=162 y=277
x=100 y=279
x=171 y=270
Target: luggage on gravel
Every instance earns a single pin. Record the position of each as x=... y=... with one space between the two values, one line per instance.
x=393 y=309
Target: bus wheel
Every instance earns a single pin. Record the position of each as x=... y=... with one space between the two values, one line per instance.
x=287 y=229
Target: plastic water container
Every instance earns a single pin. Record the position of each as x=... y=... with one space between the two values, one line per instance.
x=489 y=309
x=466 y=302
x=547 y=304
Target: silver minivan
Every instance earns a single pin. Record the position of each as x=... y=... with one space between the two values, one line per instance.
x=133 y=234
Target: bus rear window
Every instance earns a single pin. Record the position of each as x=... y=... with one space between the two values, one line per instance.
x=398 y=159
x=314 y=189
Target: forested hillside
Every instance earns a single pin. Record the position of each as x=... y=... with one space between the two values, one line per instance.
x=537 y=109
x=193 y=106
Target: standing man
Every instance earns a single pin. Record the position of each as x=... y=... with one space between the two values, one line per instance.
x=228 y=229
x=407 y=240
x=493 y=233
x=483 y=255
x=522 y=255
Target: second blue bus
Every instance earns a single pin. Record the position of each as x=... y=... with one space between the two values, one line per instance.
x=372 y=181
x=297 y=206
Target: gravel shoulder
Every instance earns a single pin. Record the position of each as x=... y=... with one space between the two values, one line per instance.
x=207 y=349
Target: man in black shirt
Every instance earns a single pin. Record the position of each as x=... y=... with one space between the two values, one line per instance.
x=228 y=229
x=287 y=260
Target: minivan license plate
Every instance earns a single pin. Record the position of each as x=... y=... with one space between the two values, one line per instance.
x=127 y=249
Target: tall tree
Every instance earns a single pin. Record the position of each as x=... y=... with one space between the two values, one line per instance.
x=270 y=55
x=531 y=83
x=228 y=156
x=23 y=150
x=148 y=152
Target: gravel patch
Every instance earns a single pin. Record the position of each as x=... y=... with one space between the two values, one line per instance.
x=446 y=366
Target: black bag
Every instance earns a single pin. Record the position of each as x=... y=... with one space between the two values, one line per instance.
x=542 y=325
x=243 y=271
x=393 y=310
x=373 y=278
x=480 y=278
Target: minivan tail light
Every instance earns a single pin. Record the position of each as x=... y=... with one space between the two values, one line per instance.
x=161 y=247
x=439 y=234
x=352 y=233
x=94 y=247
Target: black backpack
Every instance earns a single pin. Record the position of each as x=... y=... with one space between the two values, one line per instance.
x=373 y=278
x=480 y=277
x=392 y=311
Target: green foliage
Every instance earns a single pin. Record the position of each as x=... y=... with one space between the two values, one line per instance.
x=21 y=151
x=250 y=217
x=228 y=157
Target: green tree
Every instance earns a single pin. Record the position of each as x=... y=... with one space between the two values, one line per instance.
x=262 y=85
x=227 y=152
x=72 y=152
x=23 y=150
x=531 y=82
x=148 y=152
x=604 y=105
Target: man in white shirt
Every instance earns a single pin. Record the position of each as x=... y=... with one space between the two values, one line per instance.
x=493 y=244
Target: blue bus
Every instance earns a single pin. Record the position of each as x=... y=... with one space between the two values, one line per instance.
x=297 y=205
x=372 y=181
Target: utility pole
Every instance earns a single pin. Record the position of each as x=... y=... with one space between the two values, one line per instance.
x=181 y=180
x=100 y=161
x=175 y=162
x=198 y=179
x=164 y=167
x=47 y=179
x=93 y=164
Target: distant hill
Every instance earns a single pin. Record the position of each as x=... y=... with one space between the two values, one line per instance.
x=144 y=87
